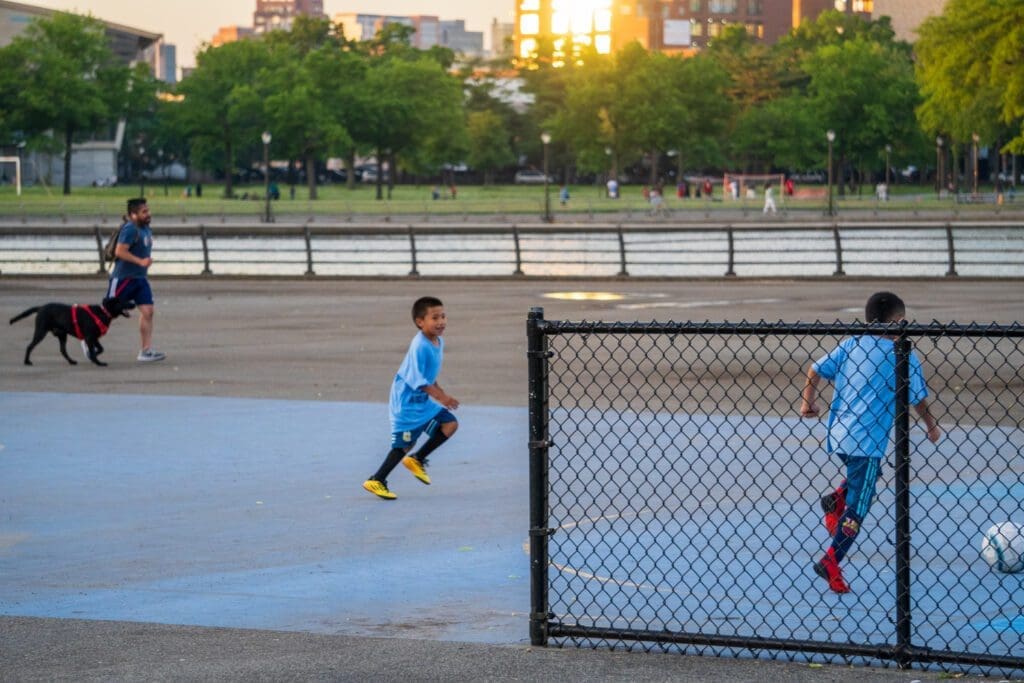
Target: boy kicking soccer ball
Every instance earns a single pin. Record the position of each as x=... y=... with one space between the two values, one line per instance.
x=859 y=424
x=418 y=404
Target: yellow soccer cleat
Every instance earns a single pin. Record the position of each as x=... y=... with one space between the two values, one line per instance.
x=416 y=467
x=378 y=489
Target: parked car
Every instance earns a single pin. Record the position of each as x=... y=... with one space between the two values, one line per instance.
x=530 y=177
x=910 y=173
x=370 y=175
x=809 y=177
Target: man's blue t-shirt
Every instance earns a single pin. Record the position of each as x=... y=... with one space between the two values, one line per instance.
x=411 y=407
x=864 y=400
x=140 y=244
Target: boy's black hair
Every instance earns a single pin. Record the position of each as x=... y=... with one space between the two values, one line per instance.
x=135 y=204
x=884 y=307
x=419 y=309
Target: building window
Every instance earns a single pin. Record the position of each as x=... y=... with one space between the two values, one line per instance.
x=696 y=28
x=603 y=44
x=603 y=20
x=695 y=6
x=530 y=5
x=867 y=6
x=714 y=30
x=722 y=6
x=756 y=30
x=754 y=8
x=527 y=46
x=529 y=24
x=840 y=5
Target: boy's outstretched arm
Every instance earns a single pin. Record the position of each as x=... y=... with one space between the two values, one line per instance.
x=435 y=392
x=808 y=408
x=934 y=433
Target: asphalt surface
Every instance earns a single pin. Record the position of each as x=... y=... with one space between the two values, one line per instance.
x=339 y=341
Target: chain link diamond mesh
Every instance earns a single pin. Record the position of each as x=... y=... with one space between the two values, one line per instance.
x=679 y=502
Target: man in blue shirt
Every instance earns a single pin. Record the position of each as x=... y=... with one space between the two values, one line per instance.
x=859 y=424
x=418 y=404
x=128 y=279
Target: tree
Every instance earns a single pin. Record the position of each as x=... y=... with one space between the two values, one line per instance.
x=866 y=93
x=971 y=70
x=489 y=147
x=68 y=81
x=223 y=106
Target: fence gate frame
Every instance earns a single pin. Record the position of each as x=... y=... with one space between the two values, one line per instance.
x=902 y=651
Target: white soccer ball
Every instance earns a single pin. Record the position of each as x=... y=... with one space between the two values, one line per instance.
x=1002 y=546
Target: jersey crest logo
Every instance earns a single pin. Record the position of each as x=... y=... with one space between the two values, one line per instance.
x=850 y=528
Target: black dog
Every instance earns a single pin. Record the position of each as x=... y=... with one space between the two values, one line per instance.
x=87 y=323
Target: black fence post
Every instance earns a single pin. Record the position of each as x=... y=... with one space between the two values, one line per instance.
x=519 y=253
x=412 y=251
x=622 y=253
x=950 y=252
x=902 y=454
x=308 y=233
x=731 y=270
x=99 y=249
x=839 y=251
x=206 y=250
x=537 y=364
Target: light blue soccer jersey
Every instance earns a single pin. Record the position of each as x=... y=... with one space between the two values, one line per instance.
x=411 y=407
x=864 y=401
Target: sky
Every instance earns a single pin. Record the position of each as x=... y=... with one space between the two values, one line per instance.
x=188 y=23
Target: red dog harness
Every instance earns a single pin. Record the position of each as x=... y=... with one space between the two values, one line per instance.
x=88 y=309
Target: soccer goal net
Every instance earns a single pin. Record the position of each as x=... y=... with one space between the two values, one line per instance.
x=751 y=185
x=10 y=171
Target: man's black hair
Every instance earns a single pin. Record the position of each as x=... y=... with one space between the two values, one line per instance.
x=135 y=204
x=419 y=309
x=884 y=307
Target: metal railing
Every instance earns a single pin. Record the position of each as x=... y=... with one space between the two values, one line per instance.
x=674 y=495
x=687 y=250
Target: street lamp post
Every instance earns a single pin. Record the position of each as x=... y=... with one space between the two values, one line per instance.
x=975 y=138
x=20 y=169
x=546 y=138
x=831 y=136
x=888 y=151
x=163 y=166
x=266 y=175
x=939 y=174
x=142 y=177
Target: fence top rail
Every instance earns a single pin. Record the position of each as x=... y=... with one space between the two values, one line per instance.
x=384 y=229
x=817 y=328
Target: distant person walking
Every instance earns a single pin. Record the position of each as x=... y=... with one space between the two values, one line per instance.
x=769 y=198
x=129 y=279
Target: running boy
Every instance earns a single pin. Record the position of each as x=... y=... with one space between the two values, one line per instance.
x=418 y=403
x=859 y=424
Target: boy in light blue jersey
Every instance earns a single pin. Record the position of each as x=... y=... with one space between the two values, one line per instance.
x=418 y=404
x=860 y=423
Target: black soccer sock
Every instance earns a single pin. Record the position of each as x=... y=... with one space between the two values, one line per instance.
x=430 y=446
x=390 y=462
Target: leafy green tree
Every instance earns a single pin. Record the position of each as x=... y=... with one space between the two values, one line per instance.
x=67 y=80
x=489 y=147
x=406 y=106
x=223 y=107
x=971 y=70
x=866 y=93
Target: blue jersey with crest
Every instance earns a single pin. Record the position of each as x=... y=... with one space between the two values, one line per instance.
x=410 y=406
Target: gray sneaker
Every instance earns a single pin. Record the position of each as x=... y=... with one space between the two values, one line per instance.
x=150 y=356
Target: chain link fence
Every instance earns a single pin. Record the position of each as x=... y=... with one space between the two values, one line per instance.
x=675 y=495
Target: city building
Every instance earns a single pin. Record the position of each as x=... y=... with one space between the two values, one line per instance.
x=502 y=34
x=455 y=37
x=231 y=34
x=665 y=25
x=167 y=63
x=279 y=14
x=907 y=16
x=428 y=31
x=93 y=160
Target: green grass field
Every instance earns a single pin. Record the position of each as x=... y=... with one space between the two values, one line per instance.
x=335 y=201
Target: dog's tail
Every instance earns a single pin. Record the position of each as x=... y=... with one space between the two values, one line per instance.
x=25 y=314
